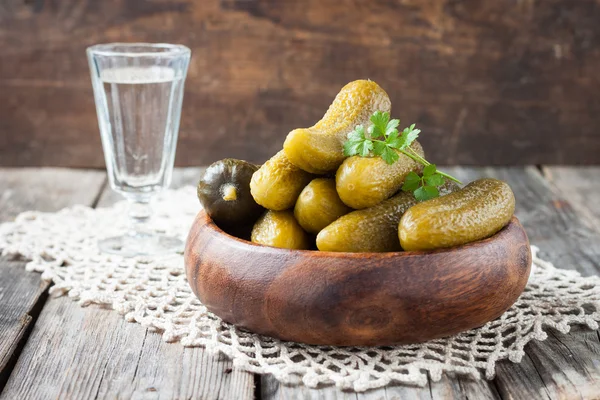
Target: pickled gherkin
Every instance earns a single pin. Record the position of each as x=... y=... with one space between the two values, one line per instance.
x=277 y=183
x=280 y=229
x=475 y=212
x=364 y=182
x=224 y=192
x=319 y=205
x=373 y=229
x=319 y=149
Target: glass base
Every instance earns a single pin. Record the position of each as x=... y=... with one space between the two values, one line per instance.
x=140 y=244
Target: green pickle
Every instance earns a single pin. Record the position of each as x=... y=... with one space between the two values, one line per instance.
x=280 y=229
x=278 y=183
x=373 y=229
x=224 y=192
x=475 y=212
x=363 y=182
x=319 y=205
x=319 y=149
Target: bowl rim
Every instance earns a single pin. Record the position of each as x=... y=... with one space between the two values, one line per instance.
x=514 y=221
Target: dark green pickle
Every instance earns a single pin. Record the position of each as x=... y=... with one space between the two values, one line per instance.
x=224 y=192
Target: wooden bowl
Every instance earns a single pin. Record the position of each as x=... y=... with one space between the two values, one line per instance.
x=356 y=299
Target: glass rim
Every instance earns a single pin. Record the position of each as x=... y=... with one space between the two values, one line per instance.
x=107 y=49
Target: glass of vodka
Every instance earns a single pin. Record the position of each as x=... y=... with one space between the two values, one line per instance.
x=138 y=90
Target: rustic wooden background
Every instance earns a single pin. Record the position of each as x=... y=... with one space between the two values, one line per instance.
x=489 y=82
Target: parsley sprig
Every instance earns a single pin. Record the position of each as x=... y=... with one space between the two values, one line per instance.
x=383 y=139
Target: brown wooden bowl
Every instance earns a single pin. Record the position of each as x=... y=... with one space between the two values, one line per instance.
x=356 y=299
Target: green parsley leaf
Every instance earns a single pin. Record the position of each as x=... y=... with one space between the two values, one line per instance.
x=365 y=147
x=389 y=155
x=392 y=127
x=411 y=182
x=384 y=151
x=354 y=144
x=351 y=148
x=407 y=137
x=410 y=135
x=379 y=148
x=358 y=133
x=435 y=180
x=380 y=121
x=429 y=170
x=370 y=131
x=393 y=140
x=426 y=192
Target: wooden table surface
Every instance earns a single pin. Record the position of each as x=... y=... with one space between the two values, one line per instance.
x=53 y=348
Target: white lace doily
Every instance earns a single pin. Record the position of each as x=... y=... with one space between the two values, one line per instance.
x=154 y=293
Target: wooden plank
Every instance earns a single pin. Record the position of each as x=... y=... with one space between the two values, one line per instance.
x=46 y=189
x=489 y=82
x=18 y=296
x=93 y=353
x=581 y=187
x=447 y=388
x=561 y=367
x=82 y=353
x=20 y=292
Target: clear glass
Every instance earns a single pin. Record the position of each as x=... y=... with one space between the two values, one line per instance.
x=138 y=90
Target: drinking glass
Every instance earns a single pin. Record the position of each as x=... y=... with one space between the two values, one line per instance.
x=138 y=90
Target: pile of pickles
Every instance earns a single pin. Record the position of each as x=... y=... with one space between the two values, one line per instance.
x=311 y=196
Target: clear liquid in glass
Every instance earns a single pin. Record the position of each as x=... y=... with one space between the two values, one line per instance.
x=138 y=90
x=139 y=128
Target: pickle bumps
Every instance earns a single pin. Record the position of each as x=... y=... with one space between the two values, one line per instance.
x=278 y=183
x=364 y=182
x=319 y=149
x=475 y=212
x=372 y=229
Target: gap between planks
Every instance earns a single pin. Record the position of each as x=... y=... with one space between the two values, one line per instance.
x=93 y=353
x=22 y=295
x=511 y=381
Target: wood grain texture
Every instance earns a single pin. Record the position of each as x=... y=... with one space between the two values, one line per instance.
x=76 y=352
x=566 y=369
x=20 y=291
x=488 y=82
x=356 y=299
x=46 y=189
x=18 y=296
x=581 y=187
x=561 y=367
x=449 y=387
x=82 y=353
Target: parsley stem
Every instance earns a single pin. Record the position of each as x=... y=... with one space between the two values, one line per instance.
x=411 y=154
x=419 y=158
x=449 y=177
